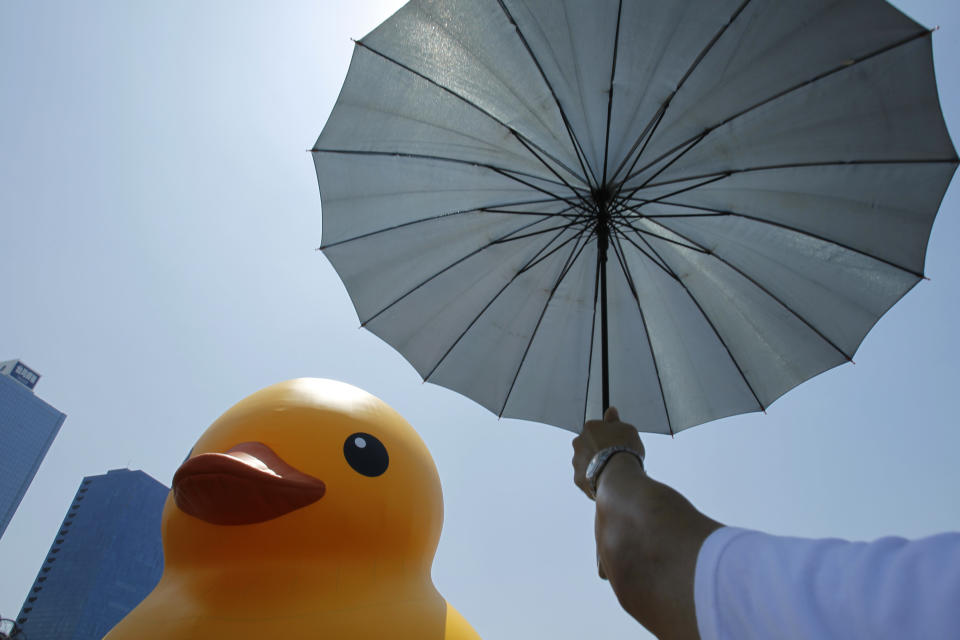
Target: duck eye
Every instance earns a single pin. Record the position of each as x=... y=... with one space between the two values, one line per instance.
x=366 y=454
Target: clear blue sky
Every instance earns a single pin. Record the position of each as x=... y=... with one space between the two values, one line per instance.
x=159 y=220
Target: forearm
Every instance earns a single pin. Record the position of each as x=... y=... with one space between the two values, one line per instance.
x=648 y=538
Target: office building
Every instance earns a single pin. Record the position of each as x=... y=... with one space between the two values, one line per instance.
x=105 y=558
x=9 y=629
x=28 y=426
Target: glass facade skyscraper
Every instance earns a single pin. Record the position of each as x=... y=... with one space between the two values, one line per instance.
x=105 y=559
x=28 y=426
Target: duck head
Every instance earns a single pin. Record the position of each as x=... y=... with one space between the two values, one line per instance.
x=308 y=471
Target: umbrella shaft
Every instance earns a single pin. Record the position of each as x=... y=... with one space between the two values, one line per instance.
x=602 y=238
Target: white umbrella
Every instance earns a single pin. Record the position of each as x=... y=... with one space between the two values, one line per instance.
x=683 y=208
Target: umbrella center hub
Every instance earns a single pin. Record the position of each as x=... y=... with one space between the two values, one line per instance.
x=602 y=196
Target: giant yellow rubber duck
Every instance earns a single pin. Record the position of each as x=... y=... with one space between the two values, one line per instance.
x=309 y=510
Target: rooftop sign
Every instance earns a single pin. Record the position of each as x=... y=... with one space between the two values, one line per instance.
x=20 y=372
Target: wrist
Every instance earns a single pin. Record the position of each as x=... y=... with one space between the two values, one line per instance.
x=621 y=468
x=604 y=458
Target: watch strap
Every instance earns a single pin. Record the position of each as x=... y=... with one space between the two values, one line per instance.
x=600 y=460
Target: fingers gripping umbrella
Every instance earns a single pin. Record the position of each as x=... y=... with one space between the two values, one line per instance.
x=681 y=208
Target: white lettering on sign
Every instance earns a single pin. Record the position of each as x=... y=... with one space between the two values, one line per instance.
x=25 y=375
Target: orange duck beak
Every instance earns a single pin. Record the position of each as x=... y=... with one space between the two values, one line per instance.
x=246 y=485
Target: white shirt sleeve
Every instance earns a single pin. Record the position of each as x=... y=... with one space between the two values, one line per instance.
x=754 y=585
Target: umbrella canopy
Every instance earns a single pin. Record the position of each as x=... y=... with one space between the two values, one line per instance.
x=683 y=209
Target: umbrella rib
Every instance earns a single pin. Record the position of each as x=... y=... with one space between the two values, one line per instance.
x=713 y=213
x=527 y=144
x=764 y=290
x=621 y=200
x=568 y=265
x=554 y=250
x=529 y=148
x=697 y=138
x=613 y=73
x=557 y=214
x=643 y=251
x=452 y=265
x=540 y=232
x=707 y=49
x=657 y=117
x=645 y=137
x=543 y=254
x=643 y=232
x=659 y=171
x=578 y=149
x=713 y=327
x=657 y=216
x=507 y=173
x=800 y=165
x=618 y=251
x=512 y=279
x=540 y=189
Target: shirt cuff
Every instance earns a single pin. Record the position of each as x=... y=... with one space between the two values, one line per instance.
x=705 y=580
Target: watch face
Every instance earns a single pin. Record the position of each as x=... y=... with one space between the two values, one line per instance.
x=592 y=466
x=595 y=463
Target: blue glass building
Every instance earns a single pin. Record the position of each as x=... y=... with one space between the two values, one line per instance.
x=105 y=559
x=27 y=427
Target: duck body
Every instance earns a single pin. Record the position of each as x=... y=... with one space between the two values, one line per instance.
x=309 y=510
x=179 y=609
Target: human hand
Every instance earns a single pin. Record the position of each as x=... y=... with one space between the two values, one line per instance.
x=598 y=435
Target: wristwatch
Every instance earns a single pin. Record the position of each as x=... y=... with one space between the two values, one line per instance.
x=600 y=460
